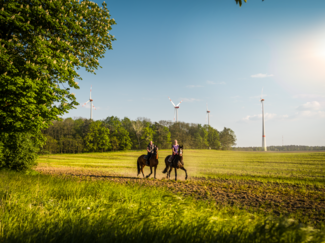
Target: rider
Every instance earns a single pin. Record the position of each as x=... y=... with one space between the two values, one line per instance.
x=150 y=149
x=174 y=149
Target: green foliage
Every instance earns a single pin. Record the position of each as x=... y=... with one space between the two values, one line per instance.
x=68 y=135
x=38 y=208
x=213 y=137
x=19 y=151
x=227 y=138
x=97 y=139
x=119 y=136
x=42 y=45
x=161 y=136
x=147 y=134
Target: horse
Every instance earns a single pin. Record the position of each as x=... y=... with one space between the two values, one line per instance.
x=153 y=162
x=177 y=163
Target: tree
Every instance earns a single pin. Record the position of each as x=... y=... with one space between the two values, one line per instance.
x=138 y=128
x=240 y=2
x=147 y=134
x=119 y=136
x=51 y=144
x=19 y=151
x=161 y=136
x=97 y=138
x=42 y=45
x=227 y=138
x=213 y=137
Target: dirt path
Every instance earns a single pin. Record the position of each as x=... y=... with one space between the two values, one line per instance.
x=304 y=202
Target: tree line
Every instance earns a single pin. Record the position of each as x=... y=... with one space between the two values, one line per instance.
x=282 y=148
x=112 y=134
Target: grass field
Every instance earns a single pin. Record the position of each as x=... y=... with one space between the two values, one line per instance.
x=230 y=197
x=302 y=168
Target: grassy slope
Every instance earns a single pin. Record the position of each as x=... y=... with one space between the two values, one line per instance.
x=39 y=208
x=303 y=168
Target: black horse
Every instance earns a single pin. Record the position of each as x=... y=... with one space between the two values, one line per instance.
x=177 y=163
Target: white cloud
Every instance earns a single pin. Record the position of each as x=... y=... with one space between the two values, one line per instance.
x=262 y=75
x=310 y=114
x=257 y=96
x=310 y=106
x=267 y=116
x=211 y=82
x=190 y=99
x=309 y=96
x=194 y=86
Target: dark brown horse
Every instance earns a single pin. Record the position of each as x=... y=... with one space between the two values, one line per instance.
x=177 y=163
x=153 y=162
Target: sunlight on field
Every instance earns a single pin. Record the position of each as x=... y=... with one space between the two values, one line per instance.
x=305 y=168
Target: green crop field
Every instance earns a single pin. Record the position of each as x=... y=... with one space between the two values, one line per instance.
x=229 y=197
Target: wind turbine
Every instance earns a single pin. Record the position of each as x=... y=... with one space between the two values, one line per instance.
x=208 y=115
x=176 y=109
x=263 y=125
x=91 y=104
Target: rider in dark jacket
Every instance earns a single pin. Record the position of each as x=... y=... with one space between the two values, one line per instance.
x=150 y=149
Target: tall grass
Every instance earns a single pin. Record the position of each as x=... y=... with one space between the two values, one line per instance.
x=39 y=208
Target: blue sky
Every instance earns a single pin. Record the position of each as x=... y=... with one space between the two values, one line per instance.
x=217 y=53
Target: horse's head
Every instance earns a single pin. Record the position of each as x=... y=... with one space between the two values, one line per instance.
x=180 y=151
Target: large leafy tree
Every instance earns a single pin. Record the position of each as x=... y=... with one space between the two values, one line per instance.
x=119 y=136
x=42 y=45
x=227 y=138
x=97 y=139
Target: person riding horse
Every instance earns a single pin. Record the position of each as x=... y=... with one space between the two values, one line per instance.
x=150 y=150
x=175 y=148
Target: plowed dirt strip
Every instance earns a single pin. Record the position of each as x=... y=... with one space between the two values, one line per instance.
x=304 y=202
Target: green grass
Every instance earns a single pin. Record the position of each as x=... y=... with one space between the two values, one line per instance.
x=298 y=168
x=43 y=208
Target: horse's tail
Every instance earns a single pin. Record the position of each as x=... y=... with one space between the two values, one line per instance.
x=138 y=164
x=166 y=169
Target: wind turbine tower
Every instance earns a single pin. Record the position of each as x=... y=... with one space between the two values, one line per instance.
x=176 y=109
x=263 y=125
x=208 y=114
x=91 y=104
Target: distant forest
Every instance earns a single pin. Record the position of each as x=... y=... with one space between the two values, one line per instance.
x=282 y=148
x=112 y=134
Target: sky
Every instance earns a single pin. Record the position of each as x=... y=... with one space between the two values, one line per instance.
x=220 y=54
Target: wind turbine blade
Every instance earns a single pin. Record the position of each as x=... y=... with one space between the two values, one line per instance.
x=171 y=101
x=179 y=103
x=85 y=103
x=94 y=107
x=262 y=94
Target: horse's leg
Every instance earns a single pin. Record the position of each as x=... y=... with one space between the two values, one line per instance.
x=155 y=171
x=175 y=174
x=142 y=166
x=182 y=168
x=150 y=171
x=170 y=170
